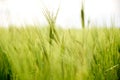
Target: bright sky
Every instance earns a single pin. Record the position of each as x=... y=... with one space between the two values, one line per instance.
x=20 y=12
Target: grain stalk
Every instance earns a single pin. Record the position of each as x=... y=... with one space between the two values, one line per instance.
x=82 y=15
x=111 y=68
x=51 y=19
x=83 y=21
x=53 y=35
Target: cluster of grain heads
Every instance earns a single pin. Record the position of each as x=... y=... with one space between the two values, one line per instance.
x=24 y=55
x=105 y=54
x=51 y=19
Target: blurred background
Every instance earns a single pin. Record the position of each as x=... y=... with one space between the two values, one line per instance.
x=28 y=12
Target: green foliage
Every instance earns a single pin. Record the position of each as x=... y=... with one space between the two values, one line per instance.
x=25 y=54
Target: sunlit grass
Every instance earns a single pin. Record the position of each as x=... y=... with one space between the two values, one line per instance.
x=52 y=53
x=25 y=54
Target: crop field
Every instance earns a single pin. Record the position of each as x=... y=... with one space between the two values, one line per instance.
x=34 y=53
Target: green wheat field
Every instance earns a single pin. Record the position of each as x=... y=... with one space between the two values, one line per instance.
x=34 y=53
x=53 y=53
